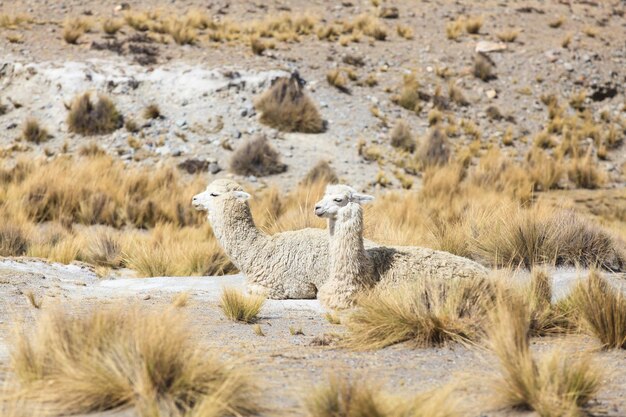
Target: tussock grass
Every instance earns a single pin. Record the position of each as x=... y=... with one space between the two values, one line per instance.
x=239 y=307
x=484 y=68
x=285 y=106
x=338 y=79
x=119 y=356
x=103 y=248
x=181 y=299
x=454 y=29
x=33 y=132
x=473 y=24
x=88 y=118
x=509 y=35
x=428 y=312
x=321 y=172
x=402 y=137
x=405 y=32
x=585 y=173
x=13 y=240
x=32 y=299
x=257 y=156
x=181 y=32
x=152 y=111
x=409 y=96
x=602 y=309
x=555 y=385
x=73 y=29
x=332 y=318
x=112 y=26
x=434 y=149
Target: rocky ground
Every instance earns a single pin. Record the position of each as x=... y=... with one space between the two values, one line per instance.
x=206 y=90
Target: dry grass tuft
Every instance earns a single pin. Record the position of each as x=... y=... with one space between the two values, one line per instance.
x=32 y=299
x=558 y=384
x=429 y=312
x=454 y=29
x=338 y=79
x=181 y=300
x=103 y=248
x=88 y=118
x=402 y=137
x=116 y=356
x=13 y=240
x=410 y=95
x=508 y=35
x=473 y=24
x=340 y=397
x=73 y=29
x=405 y=32
x=285 y=106
x=603 y=310
x=322 y=172
x=556 y=23
x=257 y=45
x=181 y=32
x=33 y=132
x=112 y=26
x=585 y=173
x=152 y=111
x=434 y=149
x=258 y=157
x=484 y=68
x=239 y=307
x=258 y=330
x=456 y=94
x=333 y=318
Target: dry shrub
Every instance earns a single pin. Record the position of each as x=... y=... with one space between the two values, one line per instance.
x=602 y=309
x=258 y=157
x=239 y=307
x=112 y=26
x=103 y=248
x=484 y=67
x=152 y=111
x=473 y=24
x=402 y=137
x=322 y=172
x=33 y=132
x=545 y=171
x=88 y=118
x=454 y=29
x=410 y=95
x=91 y=150
x=584 y=172
x=181 y=32
x=428 y=312
x=73 y=29
x=118 y=356
x=508 y=35
x=341 y=397
x=13 y=240
x=434 y=149
x=181 y=300
x=456 y=94
x=285 y=106
x=558 y=384
x=404 y=32
x=338 y=79
x=258 y=45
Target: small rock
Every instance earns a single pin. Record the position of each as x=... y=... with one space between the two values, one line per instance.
x=488 y=46
x=214 y=168
x=11 y=126
x=568 y=67
x=181 y=122
x=252 y=178
x=146 y=297
x=491 y=94
x=236 y=134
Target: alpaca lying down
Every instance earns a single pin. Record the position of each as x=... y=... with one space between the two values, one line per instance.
x=285 y=265
x=354 y=268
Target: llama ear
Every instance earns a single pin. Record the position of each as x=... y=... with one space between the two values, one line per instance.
x=362 y=198
x=241 y=195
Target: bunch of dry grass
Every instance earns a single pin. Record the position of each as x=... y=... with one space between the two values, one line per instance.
x=584 y=172
x=285 y=106
x=322 y=172
x=545 y=171
x=509 y=35
x=484 y=67
x=112 y=26
x=603 y=310
x=120 y=356
x=103 y=248
x=338 y=79
x=181 y=31
x=454 y=29
x=152 y=111
x=410 y=95
x=13 y=240
x=88 y=118
x=402 y=137
x=258 y=157
x=456 y=94
x=434 y=149
x=428 y=312
x=473 y=24
x=239 y=307
x=73 y=29
x=33 y=132
x=557 y=384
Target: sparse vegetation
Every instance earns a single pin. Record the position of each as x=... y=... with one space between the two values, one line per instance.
x=508 y=35
x=434 y=149
x=285 y=106
x=239 y=307
x=402 y=137
x=152 y=111
x=473 y=24
x=88 y=118
x=98 y=359
x=321 y=173
x=338 y=79
x=33 y=132
x=454 y=29
x=73 y=29
x=484 y=67
x=256 y=157
x=112 y=26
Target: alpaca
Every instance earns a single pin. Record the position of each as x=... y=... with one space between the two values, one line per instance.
x=291 y=264
x=354 y=268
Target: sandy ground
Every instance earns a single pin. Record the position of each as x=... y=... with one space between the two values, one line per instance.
x=285 y=365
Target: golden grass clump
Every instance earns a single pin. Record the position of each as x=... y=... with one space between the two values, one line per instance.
x=285 y=106
x=341 y=397
x=112 y=26
x=33 y=132
x=455 y=29
x=557 y=384
x=152 y=111
x=405 y=32
x=545 y=171
x=13 y=240
x=602 y=309
x=473 y=24
x=120 y=356
x=321 y=172
x=409 y=96
x=456 y=94
x=428 y=312
x=181 y=32
x=73 y=29
x=402 y=136
x=88 y=118
x=258 y=157
x=585 y=173
x=434 y=149
x=556 y=23
x=239 y=307
x=103 y=248
x=508 y=35
x=484 y=68
x=338 y=79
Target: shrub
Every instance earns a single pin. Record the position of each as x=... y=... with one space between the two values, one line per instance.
x=73 y=29
x=410 y=95
x=88 y=118
x=434 y=149
x=340 y=397
x=584 y=172
x=104 y=249
x=454 y=29
x=484 y=68
x=402 y=137
x=111 y=26
x=33 y=132
x=322 y=172
x=338 y=79
x=603 y=310
x=239 y=307
x=428 y=312
x=114 y=356
x=256 y=157
x=152 y=111
x=285 y=106
x=13 y=240
x=508 y=35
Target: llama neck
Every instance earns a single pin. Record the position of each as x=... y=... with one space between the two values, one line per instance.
x=349 y=262
x=236 y=232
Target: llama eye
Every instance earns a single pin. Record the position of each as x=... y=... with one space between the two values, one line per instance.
x=214 y=194
x=338 y=200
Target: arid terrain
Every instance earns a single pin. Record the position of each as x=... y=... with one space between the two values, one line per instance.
x=493 y=130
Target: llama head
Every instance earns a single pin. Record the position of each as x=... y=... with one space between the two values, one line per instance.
x=216 y=192
x=336 y=197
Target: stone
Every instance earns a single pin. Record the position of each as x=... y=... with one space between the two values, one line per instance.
x=491 y=94
x=488 y=46
x=214 y=167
